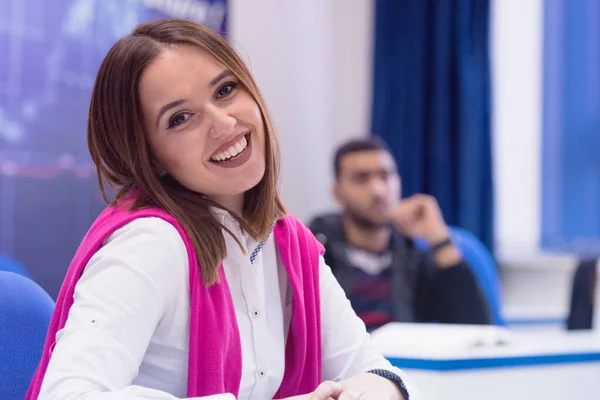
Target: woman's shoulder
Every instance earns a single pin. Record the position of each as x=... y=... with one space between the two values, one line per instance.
x=150 y=243
x=150 y=228
x=290 y=225
x=291 y=222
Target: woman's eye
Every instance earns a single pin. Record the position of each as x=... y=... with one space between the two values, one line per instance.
x=179 y=119
x=226 y=89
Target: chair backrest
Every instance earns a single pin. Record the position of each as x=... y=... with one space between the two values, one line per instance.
x=11 y=265
x=484 y=267
x=583 y=296
x=25 y=313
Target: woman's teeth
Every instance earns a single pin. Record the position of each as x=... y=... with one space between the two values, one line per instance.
x=232 y=151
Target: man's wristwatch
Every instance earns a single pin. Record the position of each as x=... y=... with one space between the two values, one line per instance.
x=440 y=245
x=396 y=380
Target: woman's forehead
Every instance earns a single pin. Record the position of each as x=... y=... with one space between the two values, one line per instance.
x=180 y=71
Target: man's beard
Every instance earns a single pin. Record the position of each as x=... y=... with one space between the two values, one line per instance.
x=363 y=221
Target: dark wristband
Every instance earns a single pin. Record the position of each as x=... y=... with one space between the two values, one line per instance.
x=396 y=380
x=440 y=245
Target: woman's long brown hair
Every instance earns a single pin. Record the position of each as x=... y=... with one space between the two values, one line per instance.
x=121 y=153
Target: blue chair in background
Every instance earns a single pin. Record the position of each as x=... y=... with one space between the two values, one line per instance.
x=483 y=266
x=11 y=265
x=25 y=313
x=583 y=299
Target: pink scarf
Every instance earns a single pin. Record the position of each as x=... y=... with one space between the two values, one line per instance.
x=215 y=357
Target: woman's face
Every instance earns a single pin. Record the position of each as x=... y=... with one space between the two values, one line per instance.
x=203 y=127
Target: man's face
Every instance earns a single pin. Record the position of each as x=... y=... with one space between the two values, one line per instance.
x=368 y=186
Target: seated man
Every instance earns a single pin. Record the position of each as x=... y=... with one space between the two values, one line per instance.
x=371 y=251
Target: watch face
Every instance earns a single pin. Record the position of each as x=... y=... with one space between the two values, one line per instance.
x=52 y=51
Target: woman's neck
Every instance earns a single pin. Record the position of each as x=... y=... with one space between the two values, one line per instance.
x=233 y=203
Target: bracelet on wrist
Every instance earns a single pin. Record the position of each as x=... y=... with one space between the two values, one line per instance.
x=396 y=380
x=440 y=245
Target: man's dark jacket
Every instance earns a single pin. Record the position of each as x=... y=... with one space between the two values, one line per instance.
x=421 y=292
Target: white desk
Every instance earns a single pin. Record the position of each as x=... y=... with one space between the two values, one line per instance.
x=490 y=363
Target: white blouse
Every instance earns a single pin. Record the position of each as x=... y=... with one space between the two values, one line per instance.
x=126 y=336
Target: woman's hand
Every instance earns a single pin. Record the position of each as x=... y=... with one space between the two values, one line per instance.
x=360 y=387
x=369 y=387
x=325 y=391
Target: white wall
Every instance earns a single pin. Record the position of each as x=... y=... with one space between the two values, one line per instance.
x=312 y=60
x=517 y=32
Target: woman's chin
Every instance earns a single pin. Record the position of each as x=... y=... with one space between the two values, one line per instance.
x=247 y=179
x=233 y=187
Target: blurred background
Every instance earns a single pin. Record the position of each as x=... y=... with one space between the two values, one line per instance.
x=491 y=106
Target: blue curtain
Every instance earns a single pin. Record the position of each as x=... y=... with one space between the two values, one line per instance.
x=431 y=103
x=571 y=127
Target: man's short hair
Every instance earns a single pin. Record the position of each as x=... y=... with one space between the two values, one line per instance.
x=357 y=146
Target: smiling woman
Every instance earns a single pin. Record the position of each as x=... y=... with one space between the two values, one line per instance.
x=194 y=282
x=194 y=95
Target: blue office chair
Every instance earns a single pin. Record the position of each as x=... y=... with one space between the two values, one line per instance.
x=10 y=265
x=581 y=313
x=25 y=312
x=483 y=266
